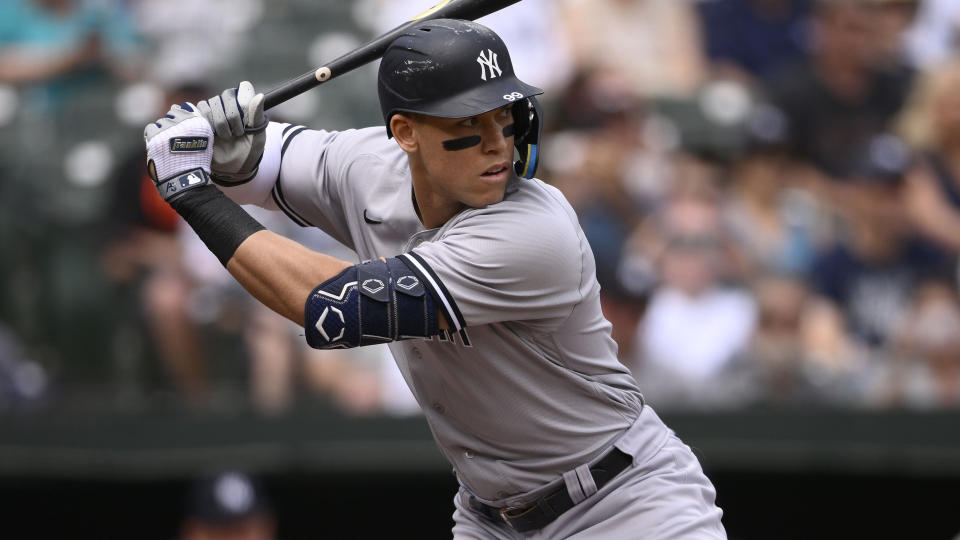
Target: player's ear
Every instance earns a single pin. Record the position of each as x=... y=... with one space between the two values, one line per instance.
x=404 y=131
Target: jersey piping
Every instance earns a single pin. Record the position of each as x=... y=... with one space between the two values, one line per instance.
x=440 y=292
x=276 y=193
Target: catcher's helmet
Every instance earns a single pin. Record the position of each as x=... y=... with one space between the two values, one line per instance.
x=452 y=68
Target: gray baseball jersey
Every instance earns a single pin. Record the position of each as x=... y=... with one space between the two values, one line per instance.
x=526 y=385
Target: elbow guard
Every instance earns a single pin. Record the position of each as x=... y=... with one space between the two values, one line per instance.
x=369 y=303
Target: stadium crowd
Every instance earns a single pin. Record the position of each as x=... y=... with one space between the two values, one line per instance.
x=771 y=189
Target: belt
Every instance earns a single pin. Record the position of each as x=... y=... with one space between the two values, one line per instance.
x=539 y=513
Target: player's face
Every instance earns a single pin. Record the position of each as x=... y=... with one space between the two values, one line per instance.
x=466 y=161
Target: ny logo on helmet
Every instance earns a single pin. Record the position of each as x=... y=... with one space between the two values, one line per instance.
x=488 y=62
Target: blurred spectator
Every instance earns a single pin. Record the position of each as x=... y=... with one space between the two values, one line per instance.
x=655 y=43
x=931 y=125
x=871 y=275
x=749 y=39
x=776 y=222
x=227 y=506
x=625 y=291
x=599 y=117
x=801 y=352
x=607 y=119
x=893 y=20
x=778 y=351
x=596 y=98
x=209 y=37
x=596 y=106
x=696 y=327
x=142 y=248
x=839 y=97
x=691 y=208
x=52 y=46
x=933 y=37
x=928 y=346
x=360 y=382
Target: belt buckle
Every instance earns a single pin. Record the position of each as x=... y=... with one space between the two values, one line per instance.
x=514 y=512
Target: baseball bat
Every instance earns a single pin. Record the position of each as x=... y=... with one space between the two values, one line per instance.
x=370 y=51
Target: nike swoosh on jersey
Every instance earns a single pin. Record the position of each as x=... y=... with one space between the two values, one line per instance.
x=371 y=220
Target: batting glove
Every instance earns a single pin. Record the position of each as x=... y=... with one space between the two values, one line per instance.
x=239 y=122
x=179 y=150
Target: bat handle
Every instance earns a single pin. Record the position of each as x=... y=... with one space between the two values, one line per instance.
x=294 y=87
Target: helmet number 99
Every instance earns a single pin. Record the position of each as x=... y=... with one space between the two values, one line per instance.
x=513 y=96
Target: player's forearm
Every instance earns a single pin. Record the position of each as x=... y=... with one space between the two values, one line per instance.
x=20 y=68
x=281 y=273
x=277 y=271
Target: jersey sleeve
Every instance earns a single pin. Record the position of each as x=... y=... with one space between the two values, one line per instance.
x=302 y=173
x=498 y=266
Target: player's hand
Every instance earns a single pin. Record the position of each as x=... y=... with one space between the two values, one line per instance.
x=239 y=122
x=179 y=149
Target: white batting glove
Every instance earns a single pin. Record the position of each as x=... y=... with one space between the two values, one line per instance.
x=239 y=123
x=179 y=150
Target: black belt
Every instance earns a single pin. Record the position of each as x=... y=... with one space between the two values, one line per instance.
x=542 y=511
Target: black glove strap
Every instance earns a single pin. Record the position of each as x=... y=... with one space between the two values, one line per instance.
x=261 y=127
x=227 y=180
x=175 y=187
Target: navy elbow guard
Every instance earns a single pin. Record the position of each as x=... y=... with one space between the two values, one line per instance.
x=369 y=303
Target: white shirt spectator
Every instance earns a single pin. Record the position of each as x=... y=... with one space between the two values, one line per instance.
x=697 y=336
x=688 y=345
x=933 y=38
x=531 y=26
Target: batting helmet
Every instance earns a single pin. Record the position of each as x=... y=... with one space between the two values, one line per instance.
x=452 y=68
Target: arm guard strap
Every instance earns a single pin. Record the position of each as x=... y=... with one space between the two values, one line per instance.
x=369 y=303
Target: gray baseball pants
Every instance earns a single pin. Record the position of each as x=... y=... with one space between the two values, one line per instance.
x=664 y=495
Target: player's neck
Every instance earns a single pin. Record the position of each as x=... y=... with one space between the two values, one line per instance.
x=432 y=207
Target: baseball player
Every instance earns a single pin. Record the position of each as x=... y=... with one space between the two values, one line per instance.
x=476 y=274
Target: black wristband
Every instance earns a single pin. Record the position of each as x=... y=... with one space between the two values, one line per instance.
x=221 y=223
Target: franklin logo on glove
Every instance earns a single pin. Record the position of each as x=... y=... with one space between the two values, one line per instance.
x=188 y=144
